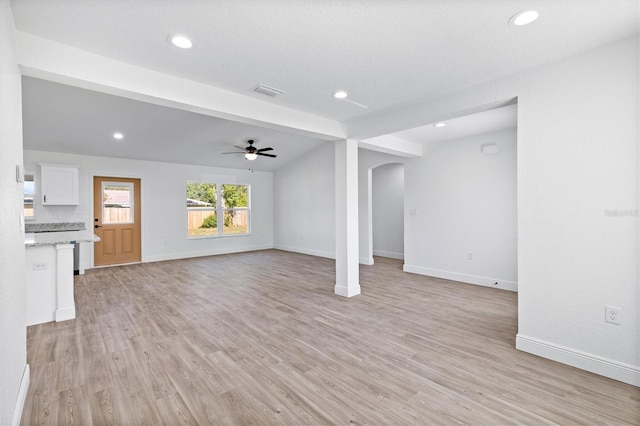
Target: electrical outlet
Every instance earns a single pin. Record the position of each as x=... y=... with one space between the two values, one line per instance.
x=612 y=314
x=40 y=266
x=469 y=255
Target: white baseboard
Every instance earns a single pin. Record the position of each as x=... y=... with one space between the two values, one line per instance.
x=347 y=291
x=595 y=364
x=22 y=396
x=176 y=256
x=465 y=278
x=65 y=314
x=389 y=254
x=366 y=261
x=304 y=250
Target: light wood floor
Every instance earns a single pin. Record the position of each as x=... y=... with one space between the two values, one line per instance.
x=260 y=338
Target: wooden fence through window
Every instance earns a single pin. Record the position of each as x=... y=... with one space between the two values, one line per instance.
x=196 y=215
x=116 y=215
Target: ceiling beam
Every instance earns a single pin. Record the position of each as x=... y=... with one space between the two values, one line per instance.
x=420 y=113
x=390 y=144
x=45 y=59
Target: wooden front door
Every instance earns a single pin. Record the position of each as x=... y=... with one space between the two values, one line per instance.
x=116 y=206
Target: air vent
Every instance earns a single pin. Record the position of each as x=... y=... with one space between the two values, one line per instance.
x=267 y=90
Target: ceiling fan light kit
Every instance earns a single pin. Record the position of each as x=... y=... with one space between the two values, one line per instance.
x=250 y=152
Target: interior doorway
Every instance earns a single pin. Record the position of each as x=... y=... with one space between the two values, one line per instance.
x=387 y=206
x=116 y=207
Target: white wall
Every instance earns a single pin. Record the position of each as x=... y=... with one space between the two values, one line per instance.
x=164 y=216
x=577 y=160
x=304 y=203
x=368 y=160
x=14 y=371
x=574 y=166
x=388 y=210
x=466 y=207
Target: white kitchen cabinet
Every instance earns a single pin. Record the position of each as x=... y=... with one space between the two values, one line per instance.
x=59 y=185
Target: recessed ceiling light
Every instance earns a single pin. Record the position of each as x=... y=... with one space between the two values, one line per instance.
x=118 y=135
x=440 y=124
x=180 y=41
x=340 y=94
x=524 y=18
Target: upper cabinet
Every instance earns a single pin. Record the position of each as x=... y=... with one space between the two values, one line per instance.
x=59 y=185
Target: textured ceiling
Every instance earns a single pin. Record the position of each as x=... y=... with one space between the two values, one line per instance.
x=385 y=53
x=61 y=118
x=489 y=121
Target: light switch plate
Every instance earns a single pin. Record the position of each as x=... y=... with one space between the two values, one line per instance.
x=19 y=173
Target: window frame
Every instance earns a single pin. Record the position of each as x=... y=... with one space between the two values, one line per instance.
x=219 y=209
x=132 y=204
x=234 y=209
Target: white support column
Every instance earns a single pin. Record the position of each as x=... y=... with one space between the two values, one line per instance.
x=347 y=256
x=65 y=305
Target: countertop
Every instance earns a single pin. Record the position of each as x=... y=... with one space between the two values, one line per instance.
x=53 y=238
x=53 y=227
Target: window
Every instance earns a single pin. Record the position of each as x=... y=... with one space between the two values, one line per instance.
x=235 y=202
x=207 y=202
x=117 y=202
x=29 y=193
x=202 y=218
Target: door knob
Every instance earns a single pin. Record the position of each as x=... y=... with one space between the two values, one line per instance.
x=97 y=226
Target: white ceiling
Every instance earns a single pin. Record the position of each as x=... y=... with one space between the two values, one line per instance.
x=489 y=121
x=61 y=118
x=385 y=53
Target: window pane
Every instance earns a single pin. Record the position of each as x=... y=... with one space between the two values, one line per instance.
x=29 y=196
x=234 y=196
x=117 y=202
x=201 y=194
x=236 y=222
x=202 y=220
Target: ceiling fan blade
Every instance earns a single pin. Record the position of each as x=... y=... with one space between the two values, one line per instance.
x=234 y=152
x=265 y=149
x=267 y=155
x=240 y=147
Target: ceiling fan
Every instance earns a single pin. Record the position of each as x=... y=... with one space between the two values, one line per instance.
x=251 y=152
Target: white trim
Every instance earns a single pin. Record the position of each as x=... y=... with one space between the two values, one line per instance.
x=366 y=261
x=174 y=256
x=389 y=254
x=22 y=396
x=65 y=314
x=595 y=364
x=465 y=278
x=347 y=291
x=303 y=250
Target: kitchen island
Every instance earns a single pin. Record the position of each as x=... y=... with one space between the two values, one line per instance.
x=49 y=275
